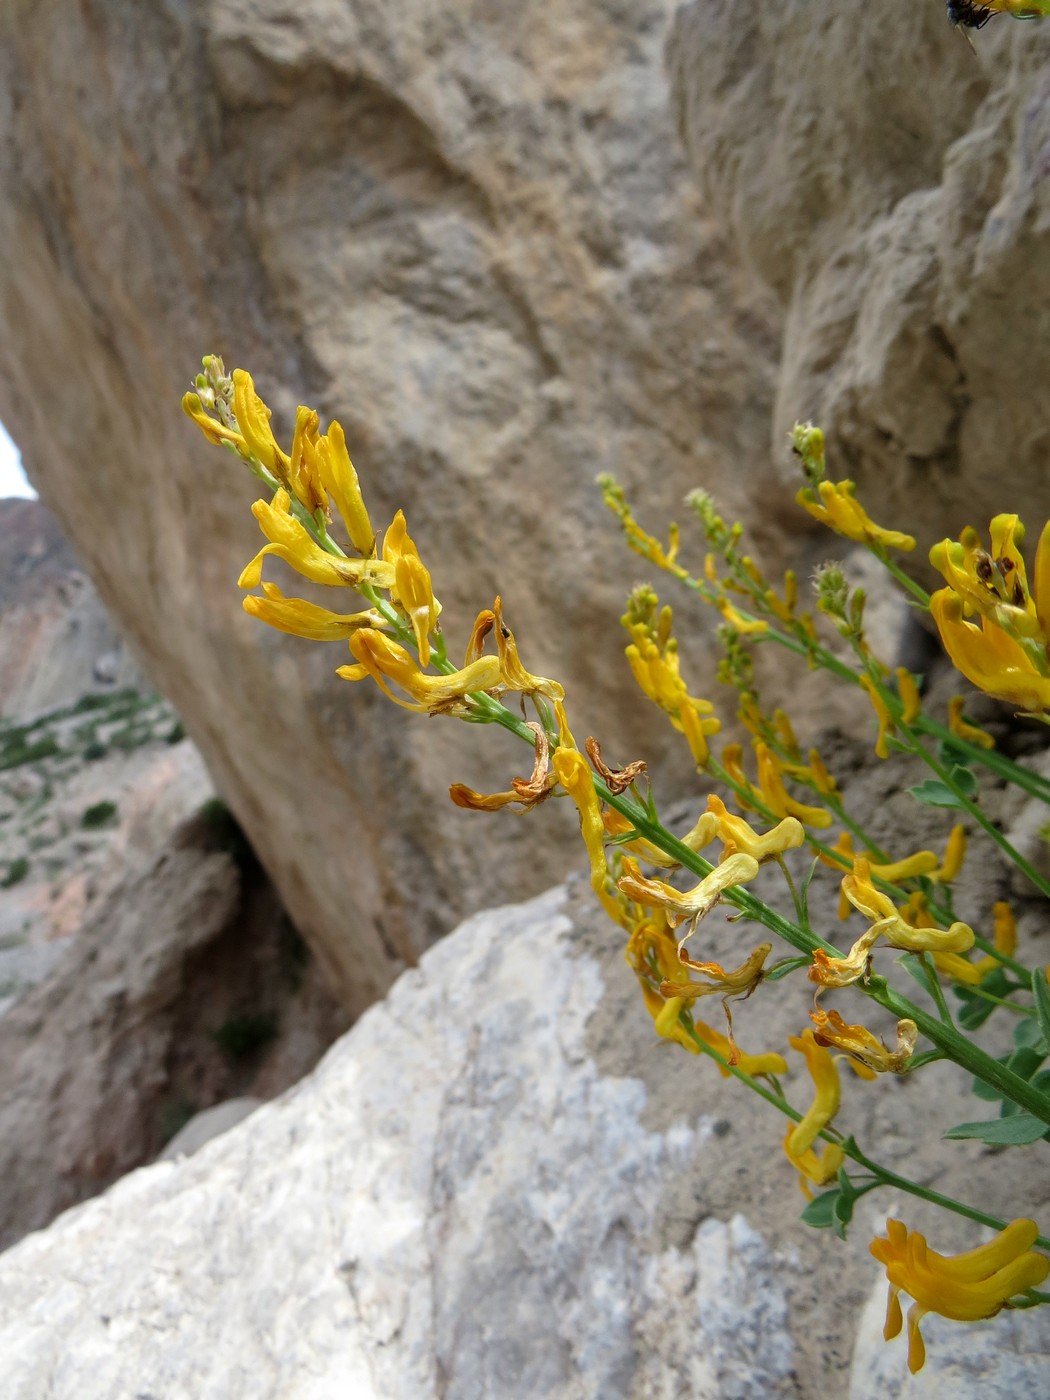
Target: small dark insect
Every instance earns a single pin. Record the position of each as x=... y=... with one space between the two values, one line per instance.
x=967 y=14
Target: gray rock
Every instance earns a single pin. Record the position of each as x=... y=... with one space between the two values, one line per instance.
x=498 y=1184
x=1000 y=1359
x=211 y=1123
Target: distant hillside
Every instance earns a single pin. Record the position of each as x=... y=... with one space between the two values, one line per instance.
x=56 y=639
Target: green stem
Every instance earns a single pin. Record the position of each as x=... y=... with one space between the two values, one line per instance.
x=908 y=584
x=885 y=1176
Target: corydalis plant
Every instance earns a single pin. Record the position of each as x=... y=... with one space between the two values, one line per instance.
x=397 y=640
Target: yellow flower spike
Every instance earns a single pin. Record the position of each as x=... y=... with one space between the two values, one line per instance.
x=963 y=1287
x=909 y=693
x=341 y=482
x=954 y=855
x=749 y=626
x=292 y=542
x=512 y=672
x=253 y=419
x=666 y=1022
x=380 y=657
x=787 y=835
x=776 y=796
x=302 y=619
x=839 y=509
x=741 y=982
x=691 y=905
x=988 y=657
x=768 y=1062
x=800 y=1137
x=212 y=429
x=571 y=769
x=962 y=729
x=830 y=1030
x=303 y=474
x=882 y=714
x=829 y=971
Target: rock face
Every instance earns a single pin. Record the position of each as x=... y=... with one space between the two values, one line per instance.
x=498 y=1183
x=184 y=985
x=891 y=189
x=57 y=642
x=474 y=240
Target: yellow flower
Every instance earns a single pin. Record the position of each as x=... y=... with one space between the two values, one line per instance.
x=909 y=693
x=666 y=1020
x=800 y=1137
x=768 y=1062
x=212 y=429
x=413 y=590
x=993 y=585
x=989 y=657
x=340 y=481
x=292 y=542
x=303 y=619
x=654 y=665
x=513 y=675
x=380 y=657
x=963 y=1287
x=525 y=792
x=691 y=905
x=887 y=922
x=882 y=714
x=839 y=509
x=960 y=969
x=858 y=1041
x=702 y=834
x=776 y=796
x=742 y=981
x=303 y=472
x=572 y=771
x=253 y=419
x=787 y=835
x=962 y=729
x=750 y=626
x=830 y=971
x=954 y=855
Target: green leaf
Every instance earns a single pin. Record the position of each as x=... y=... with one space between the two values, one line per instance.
x=933 y=793
x=1025 y=1062
x=1028 y=1033
x=1015 y=1131
x=820 y=1213
x=1041 y=992
x=782 y=969
x=916 y=969
x=961 y=777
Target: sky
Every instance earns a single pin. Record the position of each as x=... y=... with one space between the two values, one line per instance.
x=12 y=477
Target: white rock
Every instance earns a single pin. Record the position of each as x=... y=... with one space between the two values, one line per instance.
x=456 y=1203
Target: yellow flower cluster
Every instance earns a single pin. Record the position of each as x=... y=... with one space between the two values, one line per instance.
x=1003 y=650
x=964 y=1287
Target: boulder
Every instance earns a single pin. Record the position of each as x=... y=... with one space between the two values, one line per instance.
x=475 y=241
x=498 y=1183
x=889 y=186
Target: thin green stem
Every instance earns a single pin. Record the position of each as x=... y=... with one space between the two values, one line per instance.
x=885 y=1177
x=908 y=584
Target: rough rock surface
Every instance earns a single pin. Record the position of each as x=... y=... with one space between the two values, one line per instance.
x=57 y=642
x=472 y=237
x=498 y=1183
x=184 y=985
x=892 y=190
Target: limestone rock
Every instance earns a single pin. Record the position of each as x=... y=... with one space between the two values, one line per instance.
x=475 y=241
x=891 y=189
x=498 y=1183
